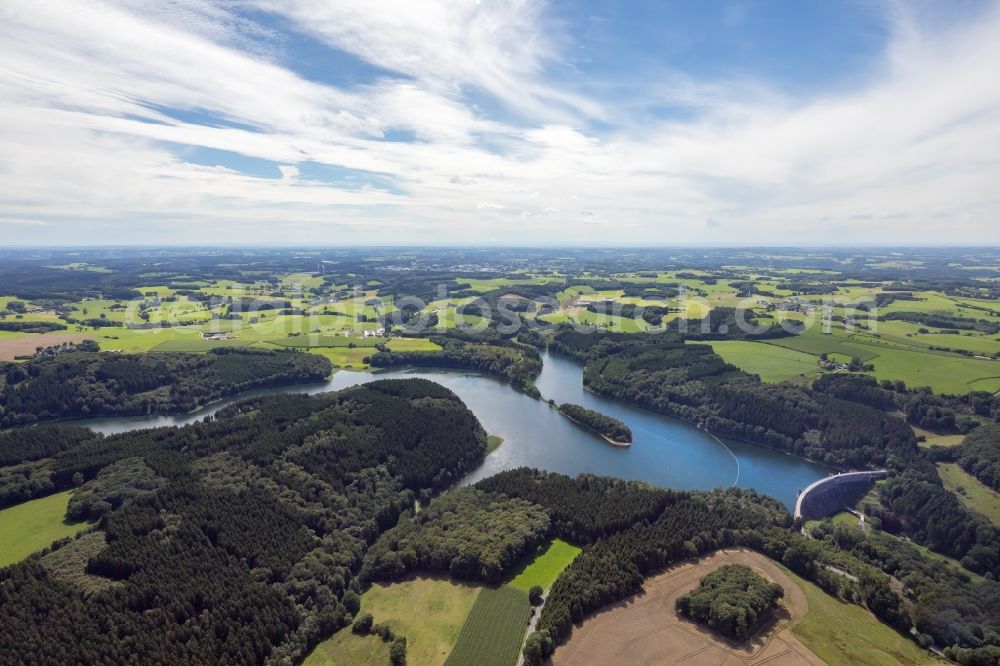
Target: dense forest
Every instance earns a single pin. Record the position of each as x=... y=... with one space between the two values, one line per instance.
x=733 y=600
x=233 y=540
x=605 y=426
x=919 y=505
x=516 y=363
x=466 y=533
x=84 y=384
x=691 y=382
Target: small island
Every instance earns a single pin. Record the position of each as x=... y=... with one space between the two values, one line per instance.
x=734 y=600
x=612 y=430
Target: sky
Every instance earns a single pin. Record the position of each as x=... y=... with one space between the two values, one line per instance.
x=473 y=122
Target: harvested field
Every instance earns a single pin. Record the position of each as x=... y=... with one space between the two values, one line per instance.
x=645 y=628
x=24 y=345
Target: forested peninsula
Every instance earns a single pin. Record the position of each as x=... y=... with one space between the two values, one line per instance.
x=516 y=363
x=83 y=384
x=611 y=429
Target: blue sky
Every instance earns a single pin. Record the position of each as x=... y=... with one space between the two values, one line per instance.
x=521 y=122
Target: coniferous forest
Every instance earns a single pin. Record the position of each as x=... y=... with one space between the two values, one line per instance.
x=246 y=534
x=83 y=384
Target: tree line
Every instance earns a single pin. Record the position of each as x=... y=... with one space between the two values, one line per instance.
x=516 y=363
x=85 y=384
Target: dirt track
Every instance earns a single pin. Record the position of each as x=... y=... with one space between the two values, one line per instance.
x=645 y=628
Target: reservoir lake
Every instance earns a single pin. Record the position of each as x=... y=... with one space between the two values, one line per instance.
x=665 y=452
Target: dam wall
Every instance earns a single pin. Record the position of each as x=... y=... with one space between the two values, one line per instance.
x=825 y=497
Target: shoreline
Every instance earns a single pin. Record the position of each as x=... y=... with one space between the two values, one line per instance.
x=231 y=398
x=698 y=426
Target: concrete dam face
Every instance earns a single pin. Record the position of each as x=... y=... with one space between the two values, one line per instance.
x=830 y=495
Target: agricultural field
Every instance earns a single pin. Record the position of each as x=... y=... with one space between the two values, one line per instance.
x=547 y=566
x=345 y=357
x=412 y=344
x=482 y=286
x=645 y=628
x=814 y=341
x=581 y=316
x=447 y=313
x=318 y=340
x=33 y=525
x=908 y=333
x=197 y=344
x=494 y=630
x=103 y=309
x=944 y=372
x=24 y=344
x=331 y=313
x=431 y=633
x=970 y=491
x=771 y=362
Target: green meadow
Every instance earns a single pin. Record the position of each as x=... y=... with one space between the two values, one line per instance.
x=944 y=372
x=547 y=566
x=843 y=634
x=29 y=527
x=771 y=362
x=970 y=491
x=430 y=612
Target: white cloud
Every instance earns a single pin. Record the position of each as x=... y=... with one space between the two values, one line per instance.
x=497 y=46
x=20 y=222
x=104 y=106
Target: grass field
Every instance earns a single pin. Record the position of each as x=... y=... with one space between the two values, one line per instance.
x=345 y=357
x=772 y=363
x=814 y=341
x=493 y=443
x=973 y=494
x=545 y=568
x=31 y=526
x=842 y=518
x=932 y=439
x=429 y=612
x=906 y=332
x=915 y=365
x=847 y=519
x=319 y=340
x=493 y=632
x=412 y=344
x=607 y=322
x=943 y=372
x=847 y=635
x=198 y=345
